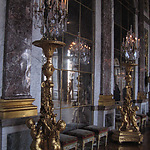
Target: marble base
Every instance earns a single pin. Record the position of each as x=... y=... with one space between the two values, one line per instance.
x=143 y=106
x=24 y=139
x=14 y=134
x=127 y=136
x=106 y=100
x=106 y=116
x=17 y=108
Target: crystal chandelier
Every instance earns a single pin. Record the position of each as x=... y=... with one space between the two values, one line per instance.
x=130 y=47
x=79 y=49
x=51 y=17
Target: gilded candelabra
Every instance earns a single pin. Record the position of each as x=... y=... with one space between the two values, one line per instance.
x=129 y=130
x=46 y=132
x=50 y=17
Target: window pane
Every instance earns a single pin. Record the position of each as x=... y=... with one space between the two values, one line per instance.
x=88 y=3
x=73 y=75
x=117 y=37
x=125 y=22
x=70 y=115
x=86 y=23
x=117 y=6
x=73 y=17
x=85 y=55
x=69 y=88
x=71 y=52
x=131 y=20
x=124 y=18
x=85 y=115
x=85 y=89
x=56 y=88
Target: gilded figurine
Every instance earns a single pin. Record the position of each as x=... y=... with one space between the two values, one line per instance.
x=133 y=119
x=35 y=134
x=53 y=132
x=125 y=120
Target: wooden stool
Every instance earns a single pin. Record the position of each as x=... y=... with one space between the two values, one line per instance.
x=84 y=136
x=143 y=120
x=68 y=142
x=99 y=132
x=138 y=121
x=117 y=123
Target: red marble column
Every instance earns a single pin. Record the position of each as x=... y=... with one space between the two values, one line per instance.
x=141 y=65
x=16 y=100
x=106 y=47
x=17 y=50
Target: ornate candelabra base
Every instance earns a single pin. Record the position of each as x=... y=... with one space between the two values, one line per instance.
x=127 y=136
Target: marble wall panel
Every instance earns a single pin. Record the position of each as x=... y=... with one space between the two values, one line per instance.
x=2 y=32
x=19 y=140
x=17 y=52
x=106 y=47
x=141 y=65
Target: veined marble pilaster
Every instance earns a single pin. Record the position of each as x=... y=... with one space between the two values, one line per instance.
x=142 y=50
x=16 y=99
x=106 y=62
x=107 y=47
x=17 y=50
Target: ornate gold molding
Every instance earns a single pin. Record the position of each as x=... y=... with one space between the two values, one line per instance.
x=106 y=100
x=17 y=108
x=126 y=136
x=141 y=96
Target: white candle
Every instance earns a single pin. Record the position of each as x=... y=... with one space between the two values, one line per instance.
x=49 y=2
x=123 y=41
x=131 y=29
x=40 y=5
x=57 y=3
x=136 y=42
x=67 y=5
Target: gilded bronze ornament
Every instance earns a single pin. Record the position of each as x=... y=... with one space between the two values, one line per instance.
x=129 y=130
x=45 y=134
x=51 y=17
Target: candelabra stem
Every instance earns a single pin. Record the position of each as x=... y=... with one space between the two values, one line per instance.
x=46 y=133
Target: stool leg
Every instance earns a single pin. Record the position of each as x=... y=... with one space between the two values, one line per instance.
x=145 y=124
x=76 y=147
x=106 y=139
x=92 y=144
x=98 y=141
x=83 y=145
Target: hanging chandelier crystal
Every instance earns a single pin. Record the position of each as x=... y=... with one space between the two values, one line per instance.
x=130 y=47
x=79 y=49
x=51 y=17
